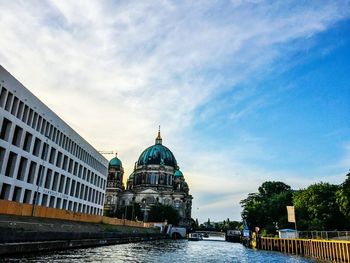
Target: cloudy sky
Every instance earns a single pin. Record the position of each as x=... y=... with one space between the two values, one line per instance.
x=244 y=91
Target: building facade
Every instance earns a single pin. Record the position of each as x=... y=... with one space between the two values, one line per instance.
x=43 y=161
x=156 y=179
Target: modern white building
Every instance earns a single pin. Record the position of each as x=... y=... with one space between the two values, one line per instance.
x=43 y=161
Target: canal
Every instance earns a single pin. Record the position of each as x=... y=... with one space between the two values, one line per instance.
x=162 y=251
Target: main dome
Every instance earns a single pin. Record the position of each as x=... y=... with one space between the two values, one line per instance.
x=157 y=154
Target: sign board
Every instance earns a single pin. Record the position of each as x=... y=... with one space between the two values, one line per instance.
x=291 y=214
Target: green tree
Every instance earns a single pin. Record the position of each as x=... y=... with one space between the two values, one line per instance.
x=130 y=212
x=343 y=197
x=317 y=209
x=160 y=213
x=267 y=208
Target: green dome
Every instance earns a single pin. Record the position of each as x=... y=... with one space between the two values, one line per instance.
x=157 y=154
x=115 y=162
x=178 y=173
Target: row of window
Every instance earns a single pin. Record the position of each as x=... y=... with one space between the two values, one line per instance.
x=30 y=172
x=46 y=200
x=41 y=149
x=23 y=112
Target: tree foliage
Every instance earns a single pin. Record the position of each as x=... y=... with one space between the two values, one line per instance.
x=343 y=197
x=267 y=208
x=160 y=213
x=317 y=209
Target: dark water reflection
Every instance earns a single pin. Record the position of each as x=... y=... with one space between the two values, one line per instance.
x=162 y=251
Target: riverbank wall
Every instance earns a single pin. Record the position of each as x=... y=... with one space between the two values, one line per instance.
x=32 y=234
x=332 y=250
x=26 y=228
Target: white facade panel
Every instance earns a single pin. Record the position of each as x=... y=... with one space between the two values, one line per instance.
x=42 y=159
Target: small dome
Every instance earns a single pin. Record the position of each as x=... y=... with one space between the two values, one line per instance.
x=115 y=162
x=178 y=173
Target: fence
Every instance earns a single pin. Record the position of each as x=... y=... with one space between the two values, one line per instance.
x=14 y=208
x=338 y=251
x=328 y=235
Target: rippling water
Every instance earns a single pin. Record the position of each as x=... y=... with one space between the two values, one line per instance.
x=163 y=251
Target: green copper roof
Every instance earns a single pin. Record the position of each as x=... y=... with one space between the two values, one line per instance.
x=178 y=173
x=157 y=154
x=115 y=162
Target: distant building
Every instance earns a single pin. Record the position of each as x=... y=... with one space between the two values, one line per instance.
x=42 y=159
x=156 y=179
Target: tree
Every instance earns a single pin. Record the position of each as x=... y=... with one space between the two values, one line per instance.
x=317 y=209
x=160 y=213
x=267 y=208
x=130 y=212
x=343 y=197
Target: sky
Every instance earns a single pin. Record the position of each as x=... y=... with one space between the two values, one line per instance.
x=244 y=91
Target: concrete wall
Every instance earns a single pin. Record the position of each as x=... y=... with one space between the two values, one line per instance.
x=14 y=208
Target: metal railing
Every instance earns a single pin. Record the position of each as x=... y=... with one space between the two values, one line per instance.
x=327 y=235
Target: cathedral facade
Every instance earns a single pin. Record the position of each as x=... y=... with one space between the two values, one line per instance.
x=156 y=179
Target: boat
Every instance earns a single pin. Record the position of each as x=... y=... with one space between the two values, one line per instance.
x=233 y=236
x=195 y=236
x=206 y=235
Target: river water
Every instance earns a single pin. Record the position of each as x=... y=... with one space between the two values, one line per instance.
x=162 y=251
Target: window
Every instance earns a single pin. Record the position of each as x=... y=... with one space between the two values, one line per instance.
x=77 y=190
x=72 y=188
x=5 y=129
x=30 y=117
x=25 y=113
x=22 y=168
x=55 y=181
x=43 y=126
x=58 y=203
x=39 y=123
x=17 y=194
x=82 y=191
x=59 y=159
x=44 y=200
x=17 y=136
x=31 y=173
x=65 y=162
x=20 y=110
x=52 y=201
x=39 y=178
x=2 y=97
x=48 y=178
x=8 y=101
x=64 y=204
x=60 y=188
x=36 y=148
x=70 y=166
x=27 y=141
x=35 y=119
x=14 y=106
x=11 y=164
x=5 y=191
x=2 y=156
x=27 y=195
x=66 y=188
x=52 y=155
x=44 y=151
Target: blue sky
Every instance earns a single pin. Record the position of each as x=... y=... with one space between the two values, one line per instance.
x=245 y=91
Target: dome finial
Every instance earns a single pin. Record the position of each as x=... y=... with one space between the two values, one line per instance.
x=159 y=138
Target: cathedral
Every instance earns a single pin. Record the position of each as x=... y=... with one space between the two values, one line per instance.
x=156 y=179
